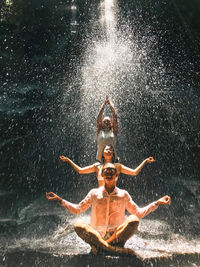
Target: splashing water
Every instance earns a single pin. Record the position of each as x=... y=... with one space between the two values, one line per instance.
x=119 y=65
x=107 y=62
x=114 y=64
x=154 y=238
x=108 y=16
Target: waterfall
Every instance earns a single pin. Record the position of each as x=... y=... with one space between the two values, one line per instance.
x=108 y=16
x=107 y=61
x=116 y=59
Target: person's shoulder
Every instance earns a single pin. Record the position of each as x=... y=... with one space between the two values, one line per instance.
x=97 y=163
x=122 y=192
x=95 y=191
x=118 y=165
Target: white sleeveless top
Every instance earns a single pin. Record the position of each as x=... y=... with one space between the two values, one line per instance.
x=105 y=138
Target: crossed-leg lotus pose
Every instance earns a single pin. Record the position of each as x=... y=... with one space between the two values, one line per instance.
x=108 y=229
x=108 y=158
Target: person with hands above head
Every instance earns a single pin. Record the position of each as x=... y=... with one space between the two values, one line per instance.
x=109 y=229
x=107 y=129
x=108 y=157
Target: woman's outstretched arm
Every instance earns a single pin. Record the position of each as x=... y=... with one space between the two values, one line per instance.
x=84 y=170
x=135 y=172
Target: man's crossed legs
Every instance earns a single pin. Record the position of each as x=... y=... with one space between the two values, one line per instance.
x=115 y=243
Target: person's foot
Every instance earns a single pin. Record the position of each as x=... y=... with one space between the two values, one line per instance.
x=117 y=244
x=94 y=250
x=99 y=244
x=102 y=246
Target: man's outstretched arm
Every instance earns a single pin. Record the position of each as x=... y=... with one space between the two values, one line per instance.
x=133 y=208
x=73 y=208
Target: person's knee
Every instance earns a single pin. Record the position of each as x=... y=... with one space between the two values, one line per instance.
x=133 y=218
x=133 y=221
x=80 y=225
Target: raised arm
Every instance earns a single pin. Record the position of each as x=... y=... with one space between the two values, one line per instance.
x=135 y=172
x=73 y=208
x=84 y=170
x=166 y=200
x=133 y=208
x=53 y=196
x=114 y=117
x=99 y=117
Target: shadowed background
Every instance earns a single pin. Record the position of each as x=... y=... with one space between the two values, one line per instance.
x=57 y=62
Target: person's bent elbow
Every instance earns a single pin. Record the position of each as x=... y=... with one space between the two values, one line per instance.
x=73 y=211
x=80 y=171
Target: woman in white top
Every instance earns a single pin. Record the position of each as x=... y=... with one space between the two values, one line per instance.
x=107 y=130
x=108 y=158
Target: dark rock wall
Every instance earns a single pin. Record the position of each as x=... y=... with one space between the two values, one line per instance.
x=39 y=55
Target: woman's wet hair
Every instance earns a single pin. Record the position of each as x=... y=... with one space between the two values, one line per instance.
x=113 y=158
x=107 y=118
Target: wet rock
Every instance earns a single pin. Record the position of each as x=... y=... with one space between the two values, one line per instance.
x=8 y=226
x=39 y=226
x=43 y=259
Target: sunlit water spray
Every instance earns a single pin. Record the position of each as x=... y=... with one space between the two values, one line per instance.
x=154 y=238
x=108 y=63
x=108 y=16
x=73 y=23
x=116 y=64
x=113 y=64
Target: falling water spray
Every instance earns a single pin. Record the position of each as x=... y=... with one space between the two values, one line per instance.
x=114 y=64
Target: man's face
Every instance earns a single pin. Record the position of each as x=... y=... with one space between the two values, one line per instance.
x=109 y=173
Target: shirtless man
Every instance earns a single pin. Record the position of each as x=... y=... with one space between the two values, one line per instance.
x=108 y=229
